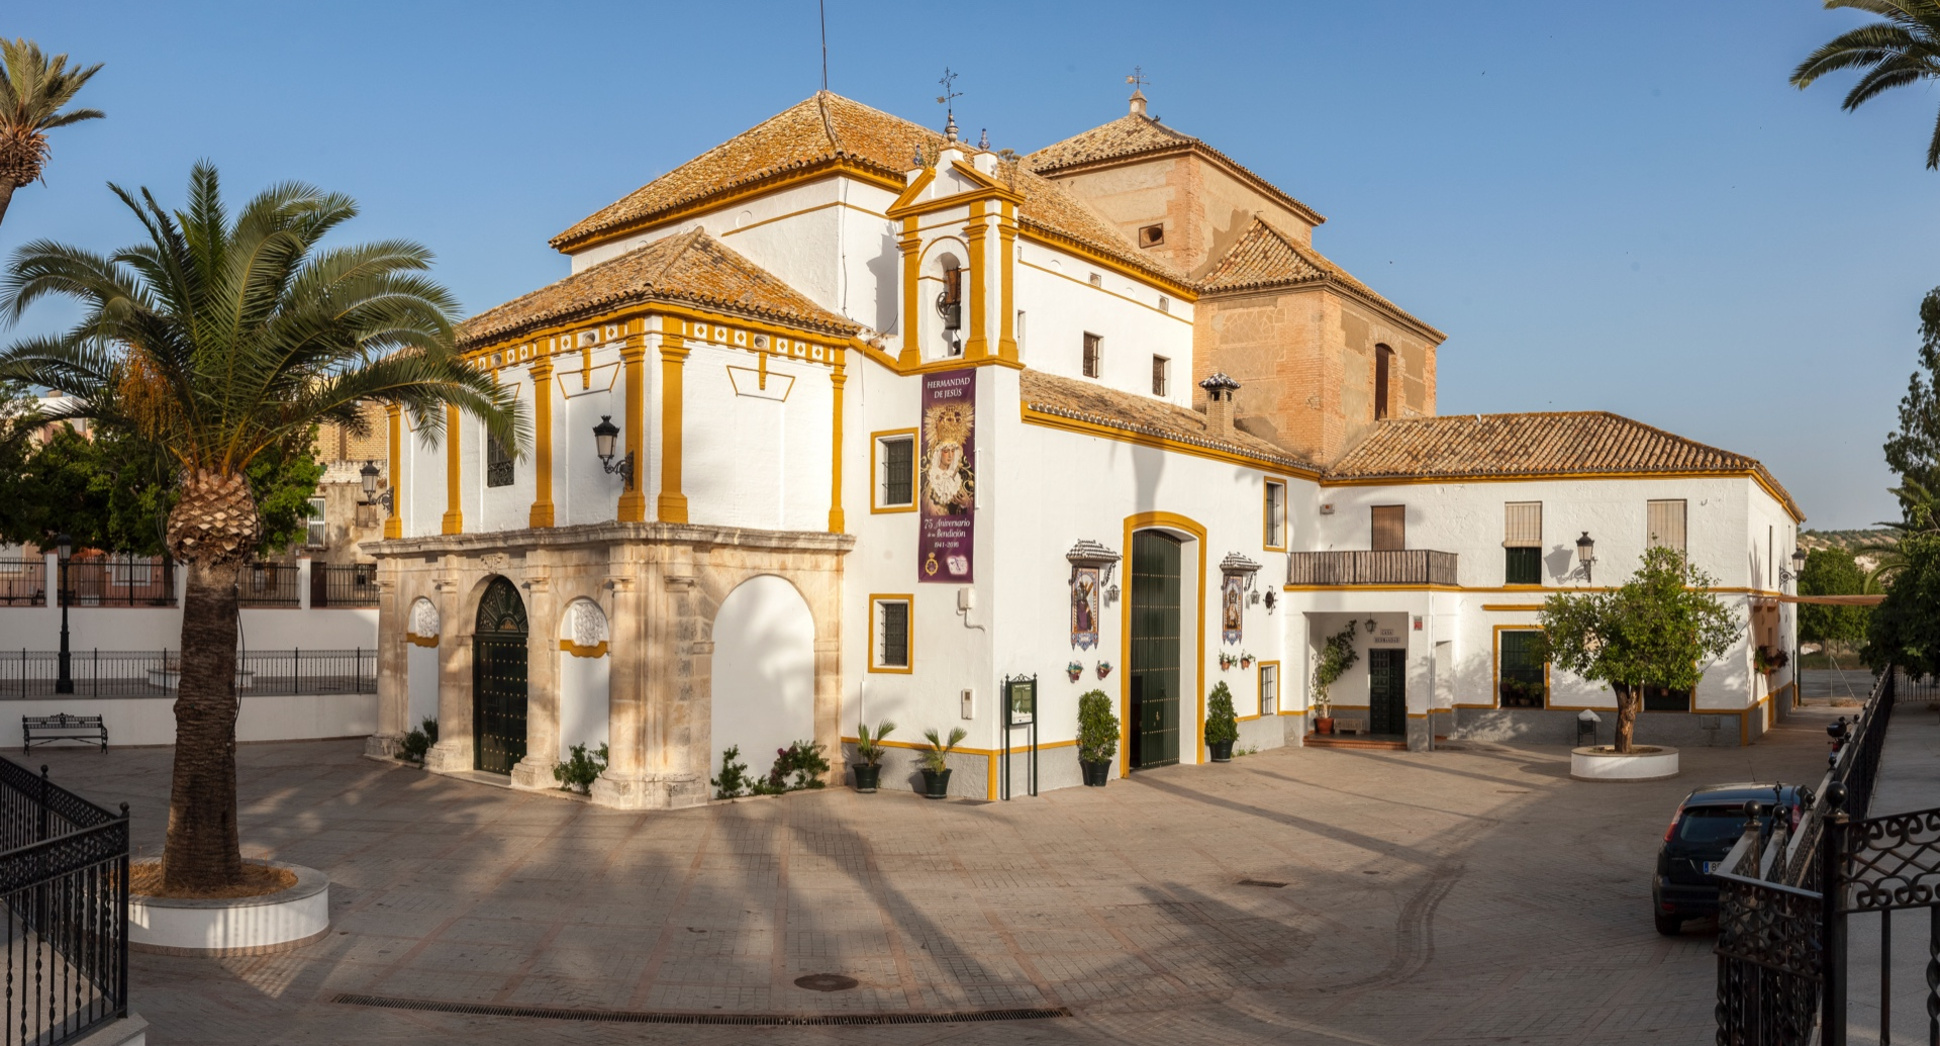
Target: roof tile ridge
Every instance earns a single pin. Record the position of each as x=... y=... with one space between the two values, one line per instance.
x=678 y=250
x=1688 y=441
x=828 y=122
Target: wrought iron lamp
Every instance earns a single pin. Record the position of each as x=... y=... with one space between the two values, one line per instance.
x=605 y=434
x=1798 y=567
x=64 y=683
x=368 y=475
x=1586 y=554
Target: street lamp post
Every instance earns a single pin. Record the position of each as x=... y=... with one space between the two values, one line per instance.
x=64 y=684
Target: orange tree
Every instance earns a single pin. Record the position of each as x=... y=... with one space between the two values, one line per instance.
x=222 y=341
x=1658 y=629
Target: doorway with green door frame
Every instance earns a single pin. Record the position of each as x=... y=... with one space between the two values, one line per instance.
x=1155 y=618
x=1387 y=692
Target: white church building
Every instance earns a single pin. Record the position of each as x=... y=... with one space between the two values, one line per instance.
x=848 y=420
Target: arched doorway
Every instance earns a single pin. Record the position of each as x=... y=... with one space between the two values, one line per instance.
x=498 y=679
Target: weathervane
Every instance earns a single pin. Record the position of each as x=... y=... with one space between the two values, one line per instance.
x=1137 y=79
x=948 y=101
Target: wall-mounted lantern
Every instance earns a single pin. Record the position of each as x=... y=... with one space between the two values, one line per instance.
x=1586 y=553
x=605 y=435
x=368 y=476
x=1089 y=554
x=1798 y=567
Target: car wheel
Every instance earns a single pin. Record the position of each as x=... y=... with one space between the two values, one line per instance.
x=1670 y=925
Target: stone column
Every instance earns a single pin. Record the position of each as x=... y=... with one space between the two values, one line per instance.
x=542 y=507
x=541 y=688
x=828 y=699
x=453 y=752
x=393 y=690
x=624 y=784
x=682 y=691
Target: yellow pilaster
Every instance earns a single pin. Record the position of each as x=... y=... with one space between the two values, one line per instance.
x=393 y=523
x=837 y=523
x=633 y=354
x=1006 y=274
x=976 y=346
x=542 y=424
x=454 y=521
x=911 y=324
x=673 y=359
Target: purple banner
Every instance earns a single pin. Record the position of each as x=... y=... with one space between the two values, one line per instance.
x=946 y=531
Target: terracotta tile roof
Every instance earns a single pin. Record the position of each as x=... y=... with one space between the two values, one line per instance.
x=1265 y=257
x=1575 y=443
x=1049 y=207
x=1090 y=402
x=690 y=268
x=820 y=130
x=1135 y=135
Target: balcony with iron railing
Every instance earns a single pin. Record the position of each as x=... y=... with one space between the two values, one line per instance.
x=1404 y=566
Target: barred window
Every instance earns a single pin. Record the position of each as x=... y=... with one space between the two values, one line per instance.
x=1161 y=371
x=1522 y=543
x=1276 y=514
x=896 y=471
x=498 y=463
x=317 y=532
x=1094 y=351
x=892 y=634
x=1269 y=687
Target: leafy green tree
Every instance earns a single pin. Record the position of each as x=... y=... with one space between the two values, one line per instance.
x=1658 y=629
x=1914 y=451
x=1832 y=572
x=222 y=341
x=1902 y=49
x=32 y=93
x=1905 y=627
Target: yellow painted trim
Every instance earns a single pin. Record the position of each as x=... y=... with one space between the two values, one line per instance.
x=1006 y=284
x=1259 y=688
x=1090 y=428
x=672 y=507
x=1791 y=509
x=633 y=316
x=832 y=205
x=1266 y=513
x=596 y=650
x=417 y=640
x=911 y=320
x=977 y=346
x=1495 y=669
x=633 y=354
x=895 y=364
x=542 y=508
x=909 y=639
x=454 y=521
x=838 y=521
x=875 y=480
x=1519 y=608
x=1585 y=590
x=394 y=523
x=1159 y=521
x=997 y=188
x=755 y=190
x=923 y=746
x=1086 y=284
x=1073 y=247
x=911 y=192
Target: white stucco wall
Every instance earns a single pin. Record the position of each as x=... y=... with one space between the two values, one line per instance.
x=583 y=701
x=421 y=683
x=1060 y=306
x=143 y=628
x=763 y=673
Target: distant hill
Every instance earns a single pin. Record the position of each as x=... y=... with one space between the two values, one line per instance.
x=1852 y=540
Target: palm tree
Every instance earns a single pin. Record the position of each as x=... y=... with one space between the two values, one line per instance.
x=1903 y=49
x=31 y=95
x=218 y=342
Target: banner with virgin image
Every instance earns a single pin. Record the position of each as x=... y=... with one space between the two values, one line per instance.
x=947 y=478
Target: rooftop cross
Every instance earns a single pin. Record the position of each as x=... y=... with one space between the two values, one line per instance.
x=1138 y=80
x=948 y=101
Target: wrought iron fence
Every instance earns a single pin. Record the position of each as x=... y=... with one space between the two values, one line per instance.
x=119 y=581
x=343 y=585
x=157 y=673
x=269 y=585
x=23 y=581
x=64 y=892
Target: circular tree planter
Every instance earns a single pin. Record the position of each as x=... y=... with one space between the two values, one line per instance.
x=1641 y=763
x=272 y=922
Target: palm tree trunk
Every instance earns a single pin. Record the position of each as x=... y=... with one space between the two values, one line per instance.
x=1628 y=700
x=203 y=850
x=6 y=197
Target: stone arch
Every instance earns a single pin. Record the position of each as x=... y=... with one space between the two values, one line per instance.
x=421 y=635
x=585 y=676
x=762 y=676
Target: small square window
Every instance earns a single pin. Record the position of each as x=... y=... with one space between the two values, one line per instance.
x=1097 y=280
x=1151 y=235
x=895 y=471
x=889 y=640
x=1161 y=373
x=1094 y=351
x=1522 y=566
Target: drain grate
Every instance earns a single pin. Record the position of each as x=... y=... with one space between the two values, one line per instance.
x=765 y=1020
x=1268 y=883
x=826 y=982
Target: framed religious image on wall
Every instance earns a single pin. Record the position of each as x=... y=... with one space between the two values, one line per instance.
x=1084 y=608
x=1021 y=701
x=1232 y=600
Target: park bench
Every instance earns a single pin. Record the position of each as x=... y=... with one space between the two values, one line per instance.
x=46 y=729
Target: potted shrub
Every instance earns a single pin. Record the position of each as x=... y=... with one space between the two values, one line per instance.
x=1222 y=725
x=869 y=749
x=1097 y=737
x=1336 y=657
x=936 y=768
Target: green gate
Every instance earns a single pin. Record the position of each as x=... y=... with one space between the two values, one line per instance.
x=1154 y=672
x=498 y=680
x=1387 y=691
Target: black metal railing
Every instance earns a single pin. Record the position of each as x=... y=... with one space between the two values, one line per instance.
x=1408 y=566
x=1783 y=898
x=269 y=585
x=64 y=891
x=23 y=581
x=119 y=581
x=156 y=673
x=343 y=585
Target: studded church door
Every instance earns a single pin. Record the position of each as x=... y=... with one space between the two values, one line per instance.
x=498 y=680
x=1154 y=672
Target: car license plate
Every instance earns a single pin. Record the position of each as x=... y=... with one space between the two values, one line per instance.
x=1707 y=867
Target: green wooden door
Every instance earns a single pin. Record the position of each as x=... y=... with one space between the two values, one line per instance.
x=498 y=680
x=1387 y=691
x=1154 y=656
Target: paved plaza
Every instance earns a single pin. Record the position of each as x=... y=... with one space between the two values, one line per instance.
x=1471 y=895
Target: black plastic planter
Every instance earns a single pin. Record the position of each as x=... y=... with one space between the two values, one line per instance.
x=1222 y=751
x=867 y=777
x=1096 y=774
x=936 y=784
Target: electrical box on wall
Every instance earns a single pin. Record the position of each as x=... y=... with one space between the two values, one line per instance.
x=969 y=698
x=966 y=598
x=1327 y=508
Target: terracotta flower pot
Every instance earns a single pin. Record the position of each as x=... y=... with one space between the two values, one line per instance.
x=1324 y=724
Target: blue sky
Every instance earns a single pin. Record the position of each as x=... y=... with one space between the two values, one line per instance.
x=1610 y=207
